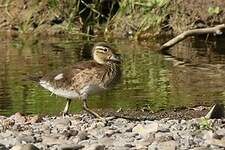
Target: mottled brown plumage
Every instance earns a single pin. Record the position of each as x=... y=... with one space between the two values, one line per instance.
x=89 y=72
x=85 y=78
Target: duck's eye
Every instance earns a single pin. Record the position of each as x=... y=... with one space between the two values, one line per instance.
x=105 y=49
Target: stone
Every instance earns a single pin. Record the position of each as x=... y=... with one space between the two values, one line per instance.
x=146 y=129
x=18 y=118
x=71 y=147
x=201 y=148
x=57 y=133
x=3 y=147
x=163 y=137
x=48 y=140
x=62 y=123
x=34 y=119
x=120 y=140
x=216 y=142
x=129 y=145
x=85 y=142
x=69 y=133
x=98 y=132
x=120 y=148
x=82 y=136
x=24 y=147
x=168 y=145
x=129 y=129
x=7 y=133
x=220 y=132
x=6 y=123
x=208 y=135
x=8 y=142
x=25 y=139
x=17 y=127
x=141 y=147
x=107 y=140
x=120 y=122
x=111 y=132
x=142 y=144
x=95 y=147
x=150 y=138
x=153 y=146
x=163 y=129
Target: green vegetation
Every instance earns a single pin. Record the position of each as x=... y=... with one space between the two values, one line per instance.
x=214 y=10
x=139 y=19
x=65 y=16
x=87 y=17
x=136 y=17
x=205 y=124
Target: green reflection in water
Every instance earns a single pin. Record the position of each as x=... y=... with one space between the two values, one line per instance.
x=148 y=80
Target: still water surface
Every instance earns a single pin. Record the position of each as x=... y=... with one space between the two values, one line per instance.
x=150 y=80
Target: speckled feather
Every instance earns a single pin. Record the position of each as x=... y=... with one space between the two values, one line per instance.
x=77 y=76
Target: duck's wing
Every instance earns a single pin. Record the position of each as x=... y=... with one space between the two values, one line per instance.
x=76 y=76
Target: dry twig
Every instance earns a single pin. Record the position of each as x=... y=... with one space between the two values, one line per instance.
x=211 y=30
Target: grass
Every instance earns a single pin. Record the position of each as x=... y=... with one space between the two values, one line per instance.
x=139 y=16
x=205 y=124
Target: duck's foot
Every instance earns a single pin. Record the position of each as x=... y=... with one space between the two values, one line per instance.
x=96 y=115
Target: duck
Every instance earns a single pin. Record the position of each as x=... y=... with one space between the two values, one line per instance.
x=85 y=78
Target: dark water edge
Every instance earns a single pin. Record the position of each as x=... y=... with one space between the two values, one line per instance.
x=151 y=81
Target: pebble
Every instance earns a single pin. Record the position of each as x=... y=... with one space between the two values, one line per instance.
x=144 y=130
x=85 y=132
x=52 y=140
x=25 y=139
x=69 y=133
x=18 y=118
x=71 y=147
x=82 y=136
x=95 y=147
x=24 y=147
x=3 y=147
x=216 y=142
x=168 y=145
x=62 y=123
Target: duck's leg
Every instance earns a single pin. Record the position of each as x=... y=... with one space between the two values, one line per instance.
x=66 y=109
x=85 y=107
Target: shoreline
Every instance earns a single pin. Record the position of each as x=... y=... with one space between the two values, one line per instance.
x=82 y=131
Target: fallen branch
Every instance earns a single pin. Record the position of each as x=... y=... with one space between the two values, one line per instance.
x=212 y=30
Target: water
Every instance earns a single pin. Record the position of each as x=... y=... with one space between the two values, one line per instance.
x=151 y=81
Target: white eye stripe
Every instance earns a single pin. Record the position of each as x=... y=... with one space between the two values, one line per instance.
x=102 y=48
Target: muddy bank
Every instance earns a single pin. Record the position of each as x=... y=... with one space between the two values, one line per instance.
x=196 y=14
x=81 y=131
x=133 y=19
x=54 y=17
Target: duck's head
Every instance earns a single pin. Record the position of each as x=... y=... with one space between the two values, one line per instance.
x=103 y=53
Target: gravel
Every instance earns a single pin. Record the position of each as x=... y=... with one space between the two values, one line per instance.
x=82 y=131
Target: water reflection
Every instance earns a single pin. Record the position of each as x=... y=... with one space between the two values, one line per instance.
x=4 y=86
x=201 y=77
x=149 y=79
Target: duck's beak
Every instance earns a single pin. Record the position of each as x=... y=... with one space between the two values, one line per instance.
x=115 y=58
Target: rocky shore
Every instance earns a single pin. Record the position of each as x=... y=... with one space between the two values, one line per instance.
x=81 y=131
